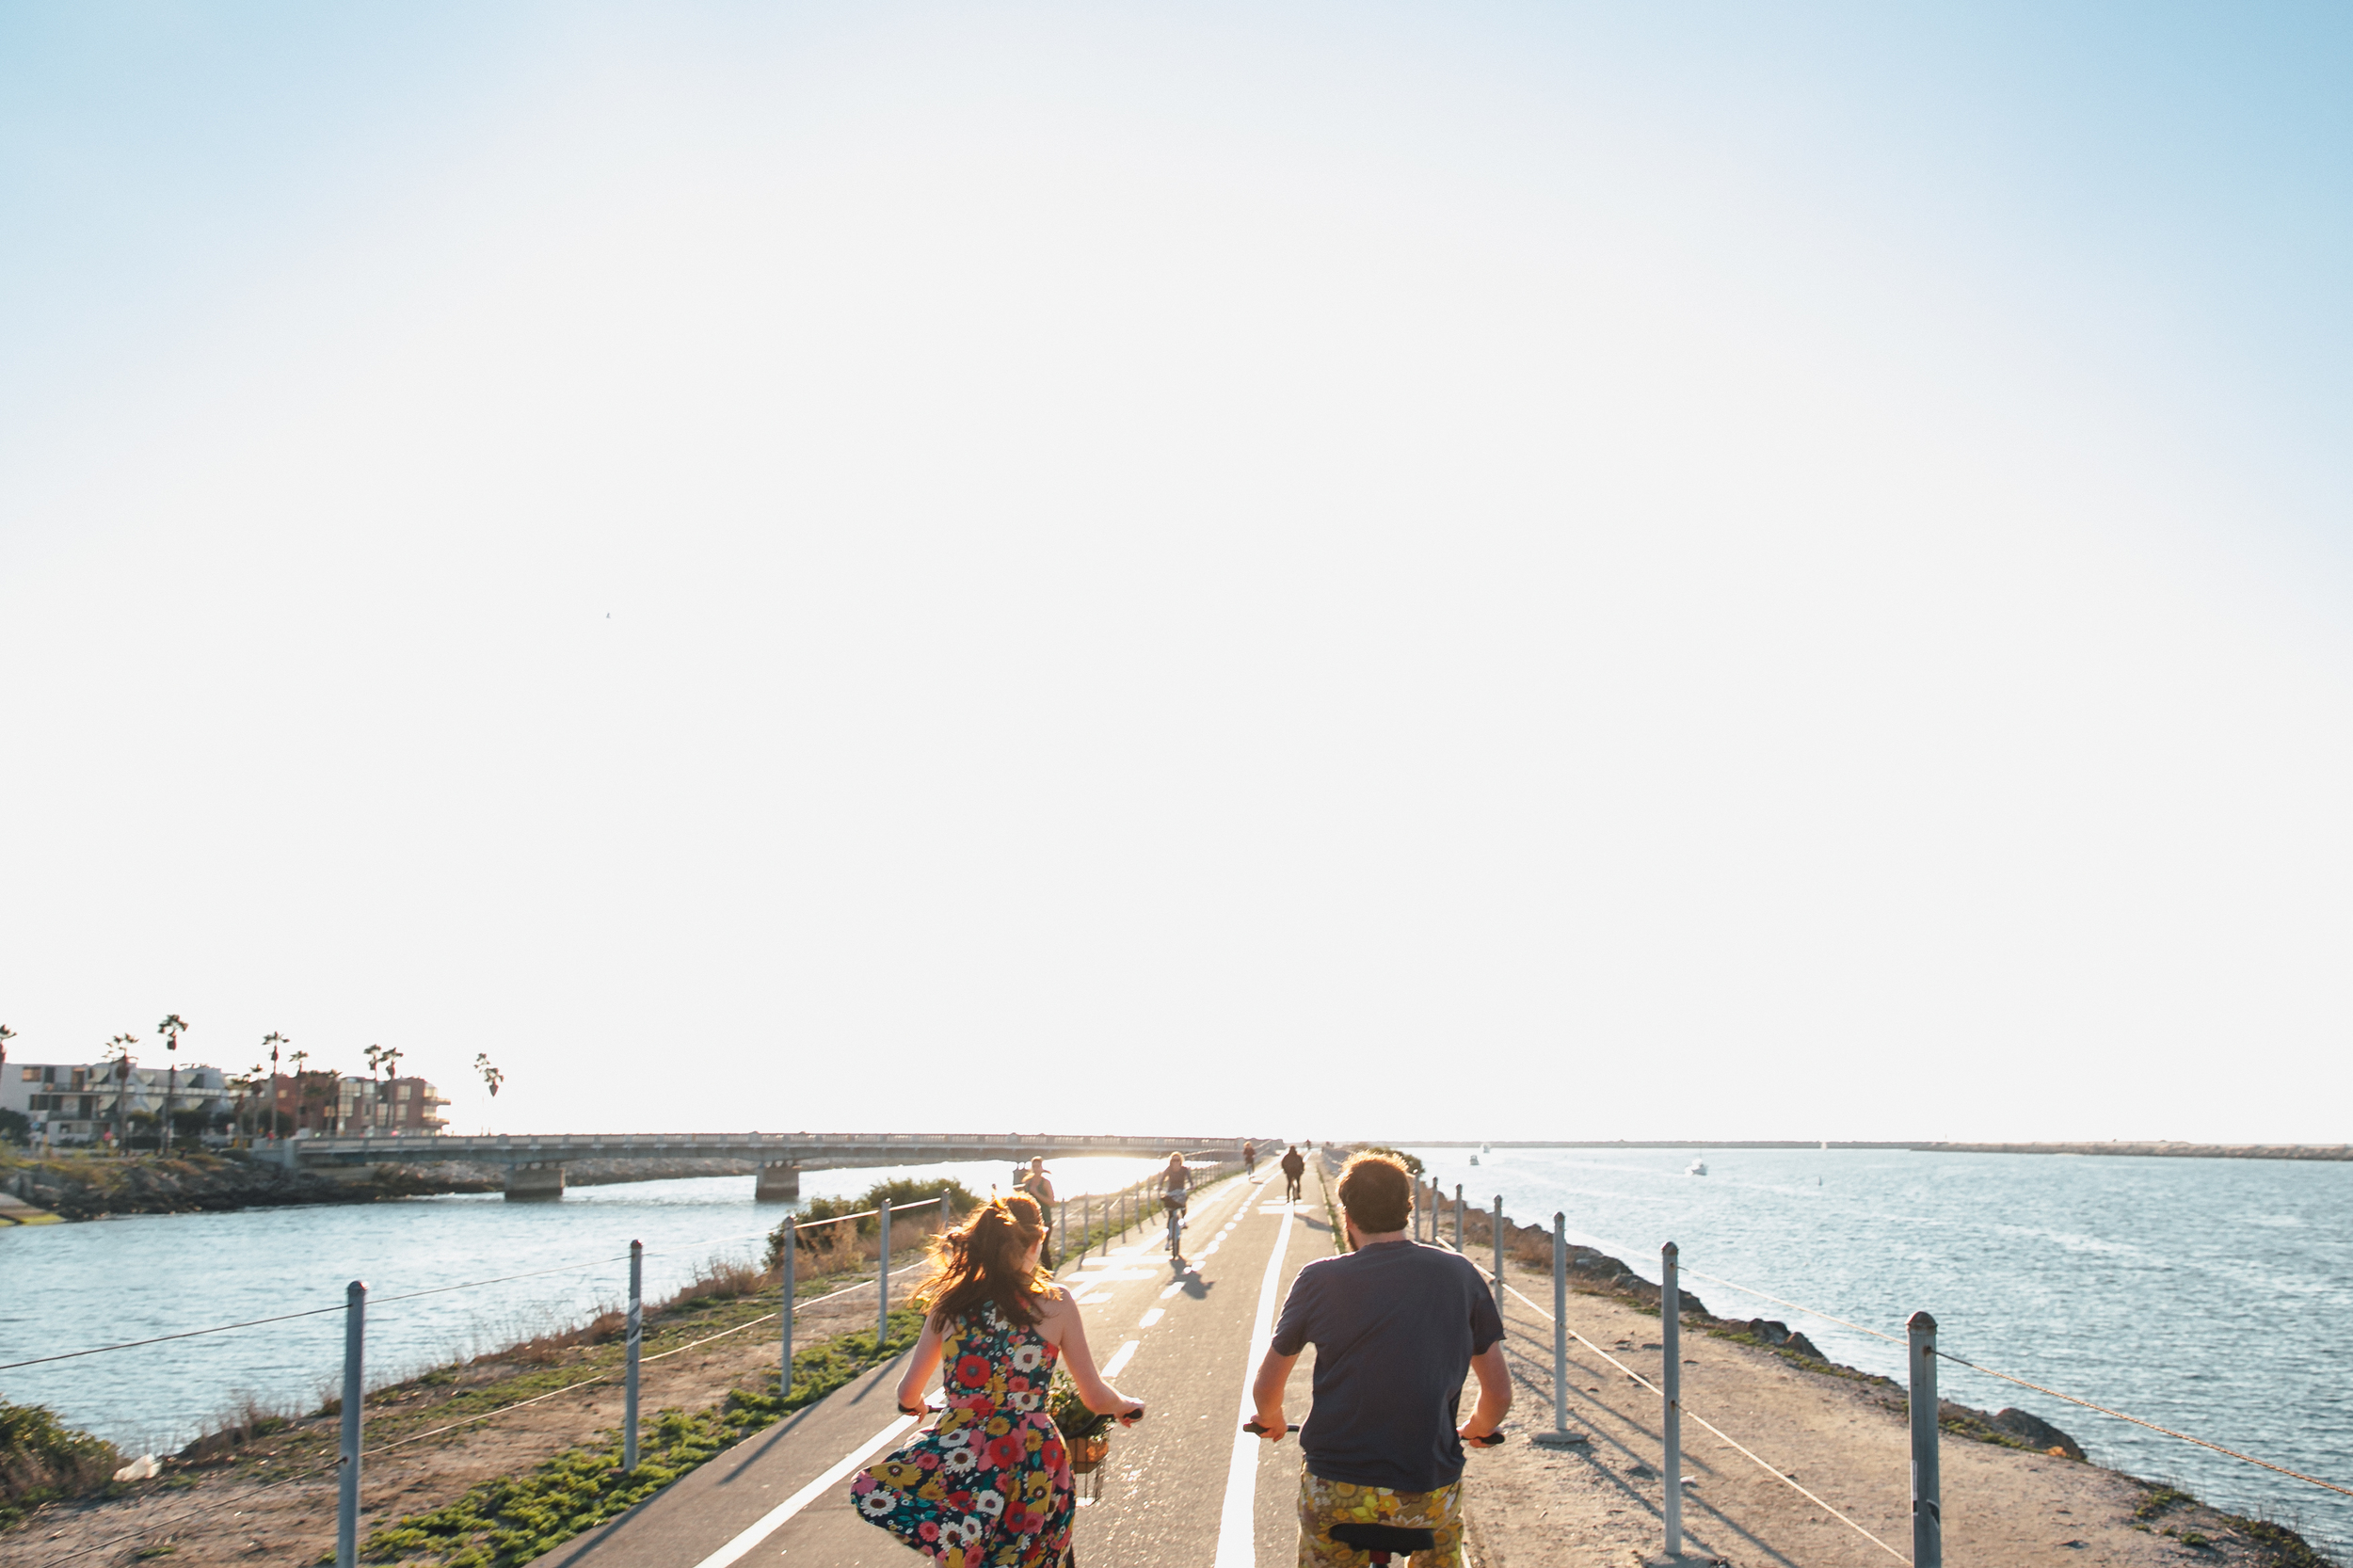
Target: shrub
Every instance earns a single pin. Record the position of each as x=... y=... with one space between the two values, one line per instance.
x=831 y=1243
x=42 y=1459
x=1411 y=1161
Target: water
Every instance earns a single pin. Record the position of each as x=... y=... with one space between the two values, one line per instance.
x=68 y=1287
x=2211 y=1296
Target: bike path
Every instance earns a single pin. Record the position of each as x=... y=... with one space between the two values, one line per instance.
x=1179 y=1341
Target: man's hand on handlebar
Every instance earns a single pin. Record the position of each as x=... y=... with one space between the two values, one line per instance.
x=1268 y=1424
x=1474 y=1438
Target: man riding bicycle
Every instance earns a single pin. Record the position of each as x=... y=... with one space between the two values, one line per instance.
x=1294 y=1166
x=1396 y=1326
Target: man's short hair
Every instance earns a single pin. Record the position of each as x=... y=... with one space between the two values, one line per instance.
x=1376 y=1192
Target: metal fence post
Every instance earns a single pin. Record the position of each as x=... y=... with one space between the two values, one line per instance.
x=1458 y=1216
x=1498 y=1240
x=1559 y=1436
x=1670 y=1340
x=882 y=1325
x=636 y=1335
x=1061 y=1221
x=946 y=1217
x=786 y=1264
x=1927 y=1513
x=347 y=1484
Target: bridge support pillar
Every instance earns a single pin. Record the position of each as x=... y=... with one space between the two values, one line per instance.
x=534 y=1183
x=776 y=1184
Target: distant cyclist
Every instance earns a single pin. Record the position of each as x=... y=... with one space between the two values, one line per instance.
x=1396 y=1326
x=1294 y=1168
x=1176 y=1182
x=1040 y=1187
x=1249 y=1158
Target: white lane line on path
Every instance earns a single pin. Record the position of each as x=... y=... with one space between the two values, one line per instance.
x=1171 y=1290
x=1120 y=1358
x=1237 y=1527
x=770 y=1522
x=1155 y=1315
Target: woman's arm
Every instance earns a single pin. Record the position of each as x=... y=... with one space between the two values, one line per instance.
x=1067 y=1331
x=919 y=1368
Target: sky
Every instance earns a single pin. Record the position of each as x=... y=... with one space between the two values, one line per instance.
x=1318 y=571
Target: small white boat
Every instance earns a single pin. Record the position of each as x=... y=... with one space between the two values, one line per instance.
x=1484 y=1150
x=1698 y=1167
x=1474 y=1160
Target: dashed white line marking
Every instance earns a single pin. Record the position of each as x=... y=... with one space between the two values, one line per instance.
x=1120 y=1358
x=1171 y=1290
x=1153 y=1317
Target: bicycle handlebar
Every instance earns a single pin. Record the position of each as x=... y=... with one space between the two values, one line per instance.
x=1255 y=1429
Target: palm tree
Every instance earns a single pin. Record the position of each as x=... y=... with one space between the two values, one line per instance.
x=120 y=1045
x=491 y=1077
x=376 y=1080
x=273 y=1040
x=171 y=1028
x=5 y=1035
x=248 y=1089
x=302 y=1090
x=390 y=1058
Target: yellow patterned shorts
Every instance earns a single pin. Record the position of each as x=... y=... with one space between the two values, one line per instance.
x=1325 y=1503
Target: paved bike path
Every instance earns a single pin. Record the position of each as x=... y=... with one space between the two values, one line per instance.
x=1165 y=1487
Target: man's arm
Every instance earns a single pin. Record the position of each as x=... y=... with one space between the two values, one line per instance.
x=1266 y=1391
x=1495 y=1392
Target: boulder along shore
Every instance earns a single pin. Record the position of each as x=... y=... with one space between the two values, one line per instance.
x=94 y=1188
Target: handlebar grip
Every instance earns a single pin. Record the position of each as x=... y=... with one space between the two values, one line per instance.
x=1136 y=1414
x=1254 y=1427
x=1490 y=1440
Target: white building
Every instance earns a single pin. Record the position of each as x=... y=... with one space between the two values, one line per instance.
x=72 y=1104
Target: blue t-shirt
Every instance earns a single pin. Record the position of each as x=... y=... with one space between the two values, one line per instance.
x=1395 y=1326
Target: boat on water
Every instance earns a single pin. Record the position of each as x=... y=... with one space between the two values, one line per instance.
x=1474 y=1160
x=1697 y=1167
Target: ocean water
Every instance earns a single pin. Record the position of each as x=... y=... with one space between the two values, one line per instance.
x=2211 y=1296
x=69 y=1288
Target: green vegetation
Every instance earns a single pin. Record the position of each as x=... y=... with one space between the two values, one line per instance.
x=42 y=1459
x=515 y=1519
x=2158 y=1500
x=901 y=1192
x=1411 y=1161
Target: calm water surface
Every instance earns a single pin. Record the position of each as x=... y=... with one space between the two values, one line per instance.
x=2213 y=1296
x=65 y=1288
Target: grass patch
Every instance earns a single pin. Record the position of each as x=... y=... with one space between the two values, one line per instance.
x=515 y=1519
x=42 y=1459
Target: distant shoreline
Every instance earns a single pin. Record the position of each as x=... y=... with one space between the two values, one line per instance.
x=2168 y=1150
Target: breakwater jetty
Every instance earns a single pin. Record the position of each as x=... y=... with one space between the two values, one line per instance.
x=2163 y=1147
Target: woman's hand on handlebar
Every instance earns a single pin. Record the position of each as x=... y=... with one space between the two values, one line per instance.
x=1129 y=1417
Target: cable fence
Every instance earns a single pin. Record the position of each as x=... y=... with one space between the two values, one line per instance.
x=1922 y=1351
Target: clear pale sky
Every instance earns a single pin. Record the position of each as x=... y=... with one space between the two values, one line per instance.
x=1470 y=571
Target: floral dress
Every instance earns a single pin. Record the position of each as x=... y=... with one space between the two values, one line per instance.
x=988 y=1486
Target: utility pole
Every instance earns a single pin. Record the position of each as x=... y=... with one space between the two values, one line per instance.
x=120 y=1045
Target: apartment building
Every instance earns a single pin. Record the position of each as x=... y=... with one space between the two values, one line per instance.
x=327 y=1104
x=73 y=1104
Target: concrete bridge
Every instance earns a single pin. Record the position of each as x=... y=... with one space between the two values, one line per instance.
x=535 y=1164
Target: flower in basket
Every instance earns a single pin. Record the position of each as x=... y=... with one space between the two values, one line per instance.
x=1072 y=1419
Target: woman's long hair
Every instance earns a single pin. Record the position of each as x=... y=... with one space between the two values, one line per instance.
x=980 y=1261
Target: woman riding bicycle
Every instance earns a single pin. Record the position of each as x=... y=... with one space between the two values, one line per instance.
x=990 y=1482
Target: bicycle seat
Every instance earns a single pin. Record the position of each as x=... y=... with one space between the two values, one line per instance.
x=1385 y=1537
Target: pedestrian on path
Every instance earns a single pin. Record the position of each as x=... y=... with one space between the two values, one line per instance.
x=989 y=1485
x=1396 y=1326
x=1294 y=1168
x=1041 y=1190
x=1249 y=1158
